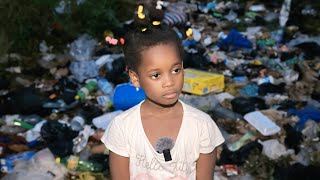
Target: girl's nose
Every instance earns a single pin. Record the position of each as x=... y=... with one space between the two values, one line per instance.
x=168 y=81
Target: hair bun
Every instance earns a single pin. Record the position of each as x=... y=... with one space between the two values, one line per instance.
x=141 y=21
x=156 y=15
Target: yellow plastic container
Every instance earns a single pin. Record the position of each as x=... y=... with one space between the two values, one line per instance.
x=201 y=82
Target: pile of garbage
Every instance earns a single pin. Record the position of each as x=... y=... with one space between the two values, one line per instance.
x=263 y=92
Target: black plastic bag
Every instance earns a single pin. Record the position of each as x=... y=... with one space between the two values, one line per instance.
x=59 y=138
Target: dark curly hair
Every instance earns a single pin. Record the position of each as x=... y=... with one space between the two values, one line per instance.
x=137 y=41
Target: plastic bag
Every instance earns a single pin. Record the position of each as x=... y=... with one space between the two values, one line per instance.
x=209 y=103
x=58 y=137
x=81 y=141
x=82 y=48
x=284 y=12
x=273 y=149
x=84 y=70
x=41 y=166
x=234 y=41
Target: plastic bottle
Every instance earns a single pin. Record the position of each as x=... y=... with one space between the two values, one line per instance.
x=77 y=123
x=79 y=120
x=85 y=154
x=89 y=166
x=105 y=86
x=21 y=123
x=104 y=101
x=73 y=162
x=238 y=144
x=90 y=86
x=32 y=119
x=59 y=105
x=267 y=79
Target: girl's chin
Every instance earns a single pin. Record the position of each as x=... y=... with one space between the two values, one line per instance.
x=164 y=103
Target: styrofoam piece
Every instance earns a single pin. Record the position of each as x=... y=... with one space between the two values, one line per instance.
x=104 y=120
x=262 y=123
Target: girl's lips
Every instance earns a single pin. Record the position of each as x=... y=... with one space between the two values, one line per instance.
x=170 y=95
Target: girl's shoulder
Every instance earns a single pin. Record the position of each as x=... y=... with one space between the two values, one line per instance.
x=129 y=115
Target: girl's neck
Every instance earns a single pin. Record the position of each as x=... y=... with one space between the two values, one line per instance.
x=153 y=108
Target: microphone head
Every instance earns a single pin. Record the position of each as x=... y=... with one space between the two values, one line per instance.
x=164 y=143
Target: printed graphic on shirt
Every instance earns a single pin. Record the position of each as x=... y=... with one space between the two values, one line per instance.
x=155 y=165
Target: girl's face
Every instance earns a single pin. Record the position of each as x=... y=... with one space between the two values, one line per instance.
x=160 y=74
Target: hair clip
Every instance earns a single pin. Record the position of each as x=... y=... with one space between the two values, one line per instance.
x=122 y=41
x=111 y=40
x=159 y=5
x=140 y=12
x=189 y=32
x=140 y=9
x=156 y=23
x=114 y=41
x=143 y=29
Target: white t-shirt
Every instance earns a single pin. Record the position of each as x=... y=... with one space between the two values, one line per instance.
x=198 y=133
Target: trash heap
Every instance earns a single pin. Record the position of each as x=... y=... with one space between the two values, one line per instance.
x=249 y=64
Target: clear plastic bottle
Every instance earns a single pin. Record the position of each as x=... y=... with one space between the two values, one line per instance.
x=77 y=123
x=105 y=86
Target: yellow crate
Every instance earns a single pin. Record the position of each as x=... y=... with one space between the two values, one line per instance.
x=201 y=82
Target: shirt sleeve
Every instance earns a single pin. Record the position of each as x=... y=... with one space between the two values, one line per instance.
x=210 y=137
x=114 y=139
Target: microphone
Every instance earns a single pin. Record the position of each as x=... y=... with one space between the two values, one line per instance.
x=164 y=145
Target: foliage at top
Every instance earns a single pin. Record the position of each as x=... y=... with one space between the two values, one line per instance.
x=26 y=23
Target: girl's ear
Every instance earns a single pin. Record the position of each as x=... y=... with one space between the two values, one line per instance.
x=134 y=78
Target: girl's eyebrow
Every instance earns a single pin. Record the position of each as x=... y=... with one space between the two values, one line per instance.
x=156 y=69
x=178 y=63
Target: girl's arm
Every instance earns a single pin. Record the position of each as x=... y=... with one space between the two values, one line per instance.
x=205 y=165
x=119 y=167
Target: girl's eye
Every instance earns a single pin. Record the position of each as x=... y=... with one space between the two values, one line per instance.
x=177 y=70
x=155 y=76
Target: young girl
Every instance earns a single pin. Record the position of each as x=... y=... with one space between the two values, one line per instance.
x=160 y=138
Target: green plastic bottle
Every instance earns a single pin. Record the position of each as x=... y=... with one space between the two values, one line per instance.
x=21 y=123
x=89 y=166
x=90 y=86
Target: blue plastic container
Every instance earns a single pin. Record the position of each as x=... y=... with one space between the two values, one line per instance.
x=126 y=96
